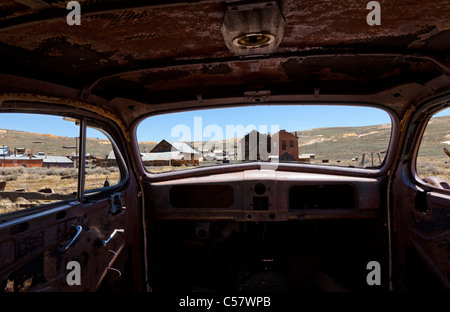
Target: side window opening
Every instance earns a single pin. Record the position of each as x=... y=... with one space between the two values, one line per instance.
x=102 y=167
x=39 y=161
x=433 y=158
x=37 y=165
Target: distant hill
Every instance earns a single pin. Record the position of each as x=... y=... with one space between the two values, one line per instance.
x=51 y=144
x=344 y=140
x=435 y=136
x=339 y=143
x=330 y=143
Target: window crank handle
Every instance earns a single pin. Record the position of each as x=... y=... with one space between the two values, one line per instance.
x=100 y=242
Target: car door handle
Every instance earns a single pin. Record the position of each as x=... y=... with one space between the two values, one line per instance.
x=100 y=242
x=78 y=230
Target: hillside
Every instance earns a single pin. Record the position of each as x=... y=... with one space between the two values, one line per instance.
x=339 y=143
x=437 y=132
x=432 y=160
x=344 y=143
x=51 y=144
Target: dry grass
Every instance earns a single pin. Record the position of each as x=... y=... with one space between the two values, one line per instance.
x=35 y=179
x=6 y=205
x=438 y=167
x=432 y=161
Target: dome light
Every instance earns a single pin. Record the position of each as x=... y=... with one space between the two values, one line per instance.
x=251 y=41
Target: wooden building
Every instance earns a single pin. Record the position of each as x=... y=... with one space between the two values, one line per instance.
x=56 y=162
x=257 y=146
x=21 y=161
x=167 y=153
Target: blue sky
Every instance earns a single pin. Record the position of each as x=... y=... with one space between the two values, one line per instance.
x=289 y=118
x=47 y=124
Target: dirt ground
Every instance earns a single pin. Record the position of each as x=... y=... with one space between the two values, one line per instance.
x=54 y=181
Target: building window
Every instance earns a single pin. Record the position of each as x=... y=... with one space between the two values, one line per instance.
x=291 y=143
x=283 y=145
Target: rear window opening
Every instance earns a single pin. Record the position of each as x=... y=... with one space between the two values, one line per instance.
x=433 y=158
x=344 y=136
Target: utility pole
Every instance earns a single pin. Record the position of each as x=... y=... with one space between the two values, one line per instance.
x=76 y=152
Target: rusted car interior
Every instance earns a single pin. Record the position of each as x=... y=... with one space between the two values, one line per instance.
x=258 y=225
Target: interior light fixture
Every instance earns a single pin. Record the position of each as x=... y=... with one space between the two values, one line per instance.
x=251 y=27
x=255 y=40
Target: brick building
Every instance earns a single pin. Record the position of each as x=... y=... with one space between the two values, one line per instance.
x=287 y=145
x=20 y=161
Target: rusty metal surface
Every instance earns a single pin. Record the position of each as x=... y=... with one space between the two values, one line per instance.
x=36 y=240
x=128 y=59
x=173 y=51
x=278 y=185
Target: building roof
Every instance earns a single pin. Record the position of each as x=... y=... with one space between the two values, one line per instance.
x=175 y=146
x=46 y=159
x=111 y=155
x=183 y=147
x=18 y=157
x=54 y=159
x=161 y=156
x=306 y=155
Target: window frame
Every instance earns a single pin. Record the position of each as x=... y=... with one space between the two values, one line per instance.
x=91 y=120
x=124 y=174
x=424 y=115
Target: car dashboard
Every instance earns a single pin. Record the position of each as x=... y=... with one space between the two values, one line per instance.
x=266 y=195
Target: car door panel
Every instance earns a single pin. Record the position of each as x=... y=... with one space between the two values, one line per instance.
x=432 y=234
x=421 y=218
x=33 y=247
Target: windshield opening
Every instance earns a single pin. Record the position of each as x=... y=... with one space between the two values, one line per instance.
x=345 y=136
